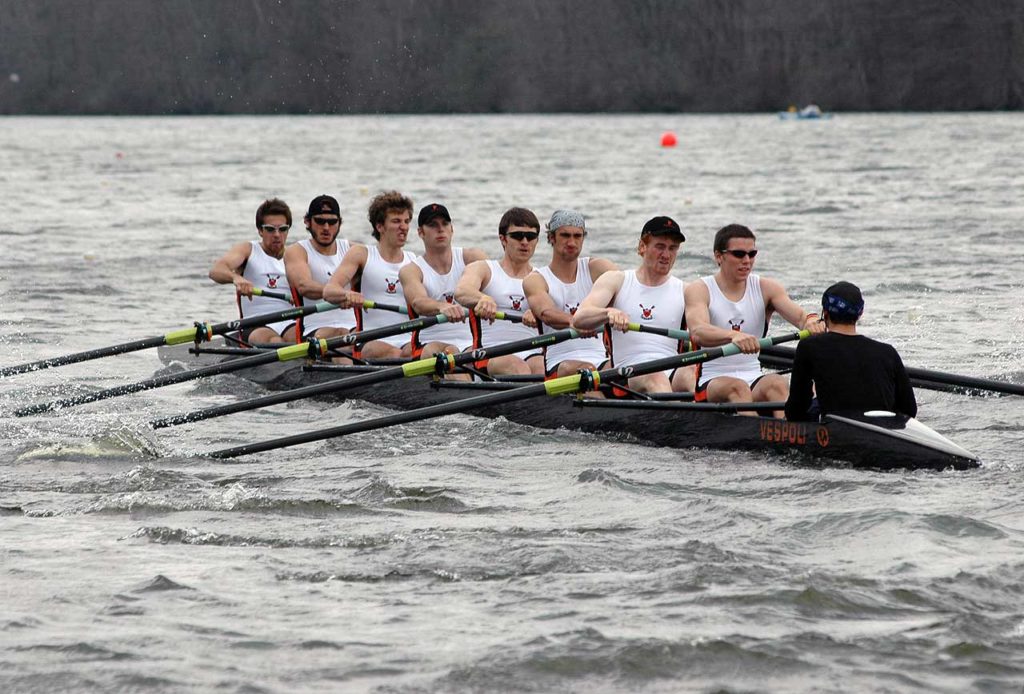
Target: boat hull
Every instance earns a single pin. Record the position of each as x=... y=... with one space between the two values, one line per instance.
x=876 y=442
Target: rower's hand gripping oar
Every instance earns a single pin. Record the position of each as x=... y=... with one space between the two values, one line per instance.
x=199 y=332
x=440 y=364
x=313 y=347
x=580 y=382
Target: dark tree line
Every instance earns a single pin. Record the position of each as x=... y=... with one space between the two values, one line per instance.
x=343 y=56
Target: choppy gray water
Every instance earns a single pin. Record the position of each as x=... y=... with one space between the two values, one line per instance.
x=463 y=555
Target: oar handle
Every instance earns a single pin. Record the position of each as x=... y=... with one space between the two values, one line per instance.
x=510 y=317
x=373 y=305
x=654 y=330
x=256 y=291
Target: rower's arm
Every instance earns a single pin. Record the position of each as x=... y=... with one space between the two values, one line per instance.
x=596 y=309
x=476 y=276
x=416 y=296
x=541 y=304
x=698 y=317
x=471 y=255
x=706 y=334
x=599 y=266
x=226 y=269
x=335 y=291
x=776 y=298
x=300 y=278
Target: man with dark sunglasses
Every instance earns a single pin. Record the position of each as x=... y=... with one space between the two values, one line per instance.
x=489 y=286
x=555 y=293
x=260 y=265
x=310 y=264
x=649 y=295
x=735 y=305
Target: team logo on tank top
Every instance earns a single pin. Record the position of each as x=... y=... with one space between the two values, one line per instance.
x=449 y=297
x=571 y=308
x=646 y=313
x=272 y=281
x=516 y=300
x=736 y=324
x=392 y=285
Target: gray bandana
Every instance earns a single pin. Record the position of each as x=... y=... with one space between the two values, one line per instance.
x=566 y=218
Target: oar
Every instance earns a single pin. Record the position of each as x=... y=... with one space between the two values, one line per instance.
x=385 y=307
x=298 y=351
x=199 y=332
x=439 y=364
x=665 y=332
x=586 y=380
x=256 y=291
x=939 y=377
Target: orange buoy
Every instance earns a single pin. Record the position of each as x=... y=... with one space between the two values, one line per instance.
x=668 y=139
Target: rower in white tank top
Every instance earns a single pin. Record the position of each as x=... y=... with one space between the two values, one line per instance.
x=746 y=315
x=321 y=267
x=660 y=306
x=507 y=293
x=379 y=282
x=265 y=272
x=442 y=288
x=568 y=297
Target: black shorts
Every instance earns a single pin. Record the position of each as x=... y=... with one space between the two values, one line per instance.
x=244 y=335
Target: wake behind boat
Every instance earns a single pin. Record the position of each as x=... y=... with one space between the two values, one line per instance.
x=873 y=440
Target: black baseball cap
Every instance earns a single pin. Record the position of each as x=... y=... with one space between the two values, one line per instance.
x=434 y=209
x=662 y=226
x=323 y=203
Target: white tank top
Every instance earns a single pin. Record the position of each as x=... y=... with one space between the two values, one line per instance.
x=746 y=315
x=379 y=282
x=660 y=306
x=321 y=267
x=568 y=297
x=442 y=288
x=265 y=272
x=507 y=293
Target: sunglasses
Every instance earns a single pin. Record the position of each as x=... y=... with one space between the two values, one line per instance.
x=523 y=235
x=325 y=222
x=270 y=228
x=736 y=253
